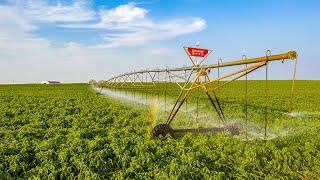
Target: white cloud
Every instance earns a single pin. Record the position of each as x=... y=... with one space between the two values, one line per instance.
x=135 y=28
x=39 y=10
x=26 y=57
x=122 y=17
x=158 y=32
x=123 y=13
x=129 y=24
x=159 y=51
x=11 y=23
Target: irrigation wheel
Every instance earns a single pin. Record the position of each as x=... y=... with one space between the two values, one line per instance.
x=162 y=130
x=234 y=129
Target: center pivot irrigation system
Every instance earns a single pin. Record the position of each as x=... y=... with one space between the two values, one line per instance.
x=197 y=77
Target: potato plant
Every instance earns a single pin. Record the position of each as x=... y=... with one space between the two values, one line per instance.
x=68 y=131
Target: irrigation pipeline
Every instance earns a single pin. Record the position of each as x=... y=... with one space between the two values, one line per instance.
x=125 y=77
x=139 y=79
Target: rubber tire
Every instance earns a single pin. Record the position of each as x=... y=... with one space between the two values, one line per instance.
x=162 y=130
x=233 y=130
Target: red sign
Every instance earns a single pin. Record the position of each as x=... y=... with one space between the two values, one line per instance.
x=197 y=52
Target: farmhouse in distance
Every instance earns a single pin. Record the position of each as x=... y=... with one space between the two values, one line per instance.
x=50 y=82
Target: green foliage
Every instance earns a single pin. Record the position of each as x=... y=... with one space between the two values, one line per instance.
x=67 y=132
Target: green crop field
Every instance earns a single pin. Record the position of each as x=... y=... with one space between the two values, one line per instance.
x=69 y=131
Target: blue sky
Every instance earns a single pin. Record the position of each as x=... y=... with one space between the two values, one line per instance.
x=76 y=40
